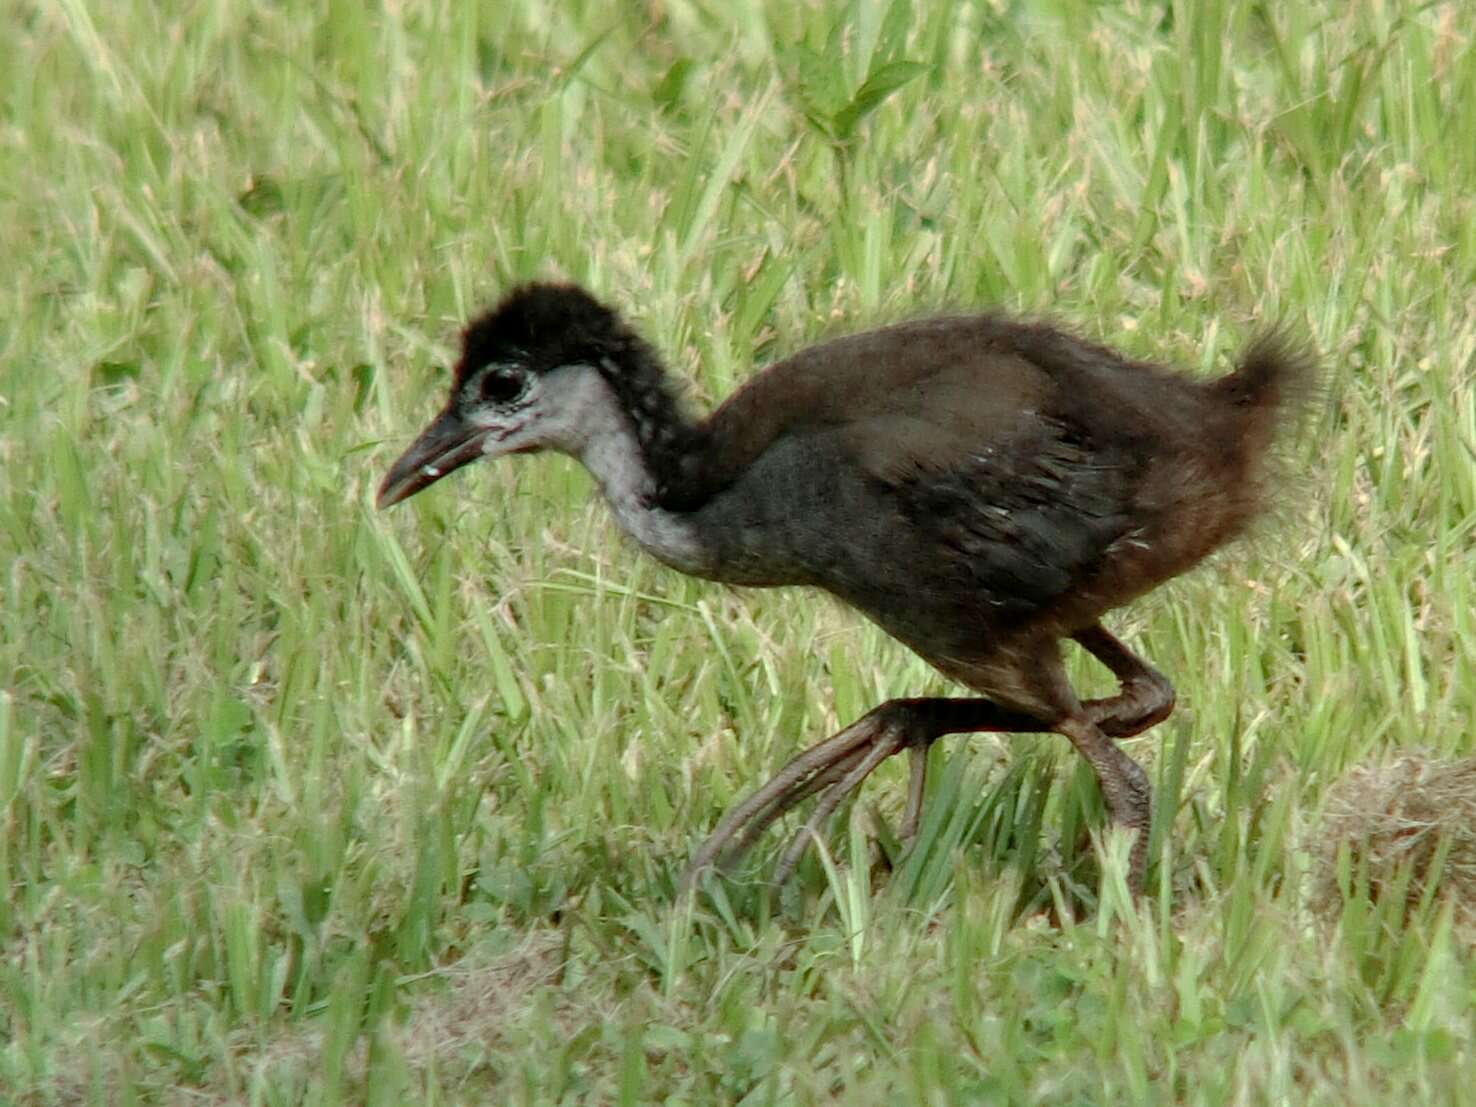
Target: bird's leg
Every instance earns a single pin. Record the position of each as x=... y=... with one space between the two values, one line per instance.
x=1146 y=697
x=1042 y=685
x=839 y=764
x=1124 y=786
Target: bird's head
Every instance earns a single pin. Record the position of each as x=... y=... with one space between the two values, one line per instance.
x=527 y=369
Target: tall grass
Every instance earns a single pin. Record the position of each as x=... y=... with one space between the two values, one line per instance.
x=301 y=803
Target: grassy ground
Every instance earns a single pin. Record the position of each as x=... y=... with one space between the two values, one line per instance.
x=301 y=803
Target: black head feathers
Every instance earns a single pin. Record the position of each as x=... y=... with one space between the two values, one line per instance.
x=544 y=326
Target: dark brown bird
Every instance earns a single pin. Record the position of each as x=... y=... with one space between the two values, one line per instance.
x=980 y=488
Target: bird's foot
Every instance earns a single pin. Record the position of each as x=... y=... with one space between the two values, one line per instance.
x=1124 y=786
x=833 y=769
x=1146 y=697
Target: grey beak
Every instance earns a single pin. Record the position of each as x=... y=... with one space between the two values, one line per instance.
x=443 y=447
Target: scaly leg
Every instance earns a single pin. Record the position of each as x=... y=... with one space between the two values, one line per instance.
x=1124 y=786
x=1145 y=698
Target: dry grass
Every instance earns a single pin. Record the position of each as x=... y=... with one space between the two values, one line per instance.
x=1407 y=827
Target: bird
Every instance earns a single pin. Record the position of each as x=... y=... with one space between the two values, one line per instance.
x=981 y=487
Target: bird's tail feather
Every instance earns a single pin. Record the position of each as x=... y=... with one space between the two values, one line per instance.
x=1275 y=372
x=1265 y=400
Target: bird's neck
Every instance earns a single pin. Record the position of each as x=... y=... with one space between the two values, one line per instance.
x=622 y=465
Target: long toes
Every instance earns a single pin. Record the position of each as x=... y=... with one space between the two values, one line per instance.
x=917 y=783
x=834 y=769
x=882 y=749
x=786 y=802
x=783 y=790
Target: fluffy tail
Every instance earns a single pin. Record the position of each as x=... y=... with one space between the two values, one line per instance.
x=1264 y=400
x=1270 y=389
x=1276 y=374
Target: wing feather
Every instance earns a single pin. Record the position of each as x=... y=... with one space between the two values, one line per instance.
x=1017 y=517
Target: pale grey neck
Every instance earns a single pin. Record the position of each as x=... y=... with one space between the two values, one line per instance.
x=606 y=445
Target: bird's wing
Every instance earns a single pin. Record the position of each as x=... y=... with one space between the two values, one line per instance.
x=1018 y=511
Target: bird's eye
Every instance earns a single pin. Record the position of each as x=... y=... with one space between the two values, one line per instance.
x=503 y=385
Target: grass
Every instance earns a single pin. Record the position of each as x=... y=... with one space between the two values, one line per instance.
x=304 y=804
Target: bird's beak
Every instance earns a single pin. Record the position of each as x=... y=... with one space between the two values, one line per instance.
x=446 y=445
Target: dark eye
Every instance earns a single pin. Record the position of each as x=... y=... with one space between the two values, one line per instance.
x=503 y=384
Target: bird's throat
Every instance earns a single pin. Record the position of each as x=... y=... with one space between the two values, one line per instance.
x=613 y=455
